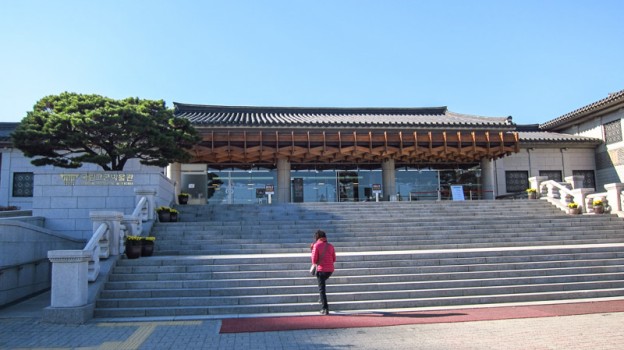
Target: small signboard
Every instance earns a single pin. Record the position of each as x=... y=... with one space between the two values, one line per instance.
x=376 y=188
x=458 y=192
x=269 y=189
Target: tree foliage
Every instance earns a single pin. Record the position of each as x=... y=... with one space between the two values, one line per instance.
x=70 y=129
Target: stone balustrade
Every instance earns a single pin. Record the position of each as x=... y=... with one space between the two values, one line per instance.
x=571 y=191
x=72 y=270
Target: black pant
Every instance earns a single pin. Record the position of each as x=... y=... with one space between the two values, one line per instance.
x=321 y=277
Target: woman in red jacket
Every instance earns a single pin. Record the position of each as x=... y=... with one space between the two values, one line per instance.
x=324 y=256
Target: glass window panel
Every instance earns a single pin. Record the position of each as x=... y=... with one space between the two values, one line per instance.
x=613 y=131
x=554 y=175
x=516 y=181
x=23 y=184
x=589 y=180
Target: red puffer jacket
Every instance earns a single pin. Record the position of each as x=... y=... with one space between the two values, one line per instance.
x=329 y=258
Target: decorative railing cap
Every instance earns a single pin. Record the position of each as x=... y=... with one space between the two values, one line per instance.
x=106 y=215
x=69 y=256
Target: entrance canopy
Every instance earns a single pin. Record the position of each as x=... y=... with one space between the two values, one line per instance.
x=313 y=137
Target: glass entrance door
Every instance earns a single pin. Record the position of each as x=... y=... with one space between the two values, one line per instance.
x=348 y=186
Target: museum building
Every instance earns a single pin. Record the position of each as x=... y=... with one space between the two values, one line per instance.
x=351 y=154
x=302 y=154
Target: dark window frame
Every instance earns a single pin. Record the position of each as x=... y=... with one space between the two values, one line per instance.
x=515 y=185
x=589 y=177
x=612 y=131
x=558 y=178
x=23 y=187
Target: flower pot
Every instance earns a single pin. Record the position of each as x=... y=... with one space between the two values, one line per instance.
x=147 y=248
x=574 y=211
x=173 y=217
x=183 y=200
x=133 y=250
x=532 y=195
x=164 y=216
x=599 y=209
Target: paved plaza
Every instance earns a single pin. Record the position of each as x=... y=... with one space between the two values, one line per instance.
x=21 y=328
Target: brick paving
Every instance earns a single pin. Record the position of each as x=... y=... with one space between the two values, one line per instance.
x=21 y=328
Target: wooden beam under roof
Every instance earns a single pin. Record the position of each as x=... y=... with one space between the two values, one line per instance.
x=306 y=146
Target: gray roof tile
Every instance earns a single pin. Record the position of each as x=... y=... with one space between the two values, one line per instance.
x=614 y=98
x=544 y=136
x=211 y=115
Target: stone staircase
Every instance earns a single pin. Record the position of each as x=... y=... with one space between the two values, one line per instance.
x=225 y=261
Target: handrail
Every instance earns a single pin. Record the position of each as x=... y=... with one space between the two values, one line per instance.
x=99 y=245
x=141 y=209
x=97 y=237
x=98 y=248
x=560 y=187
x=561 y=195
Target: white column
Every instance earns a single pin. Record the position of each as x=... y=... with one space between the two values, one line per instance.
x=283 y=181
x=388 y=177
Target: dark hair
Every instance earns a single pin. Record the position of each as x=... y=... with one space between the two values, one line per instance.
x=319 y=234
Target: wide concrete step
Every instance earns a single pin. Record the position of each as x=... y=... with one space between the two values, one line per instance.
x=380 y=247
x=278 y=235
x=381 y=266
x=383 y=218
x=362 y=292
x=337 y=287
x=268 y=228
x=378 y=302
x=242 y=259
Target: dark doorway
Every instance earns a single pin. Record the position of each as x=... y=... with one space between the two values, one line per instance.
x=348 y=186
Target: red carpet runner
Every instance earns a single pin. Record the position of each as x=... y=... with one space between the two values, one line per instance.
x=382 y=319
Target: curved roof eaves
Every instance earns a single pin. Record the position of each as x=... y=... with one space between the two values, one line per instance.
x=614 y=98
x=546 y=136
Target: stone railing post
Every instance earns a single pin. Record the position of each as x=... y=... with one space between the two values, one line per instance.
x=580 y=196
x=576 y=181
x=614 y=196
x=536 y=182
x=70 y=283
x=113 y=220
x=150 y=195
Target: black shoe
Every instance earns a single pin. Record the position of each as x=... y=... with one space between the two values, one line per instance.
x=324 y=312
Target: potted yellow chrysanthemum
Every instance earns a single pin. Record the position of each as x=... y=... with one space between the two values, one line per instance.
x=573 y=208
x=598 y=206
x=148 y=245
x=133 y=246
x=531 y=193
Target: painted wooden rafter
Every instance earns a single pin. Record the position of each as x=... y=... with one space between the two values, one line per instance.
x=249 y=146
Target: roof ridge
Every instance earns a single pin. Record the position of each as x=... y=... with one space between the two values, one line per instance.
x=181 y=107
x=611 y=98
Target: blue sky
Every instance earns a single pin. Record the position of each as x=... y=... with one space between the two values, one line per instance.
x=533 y=60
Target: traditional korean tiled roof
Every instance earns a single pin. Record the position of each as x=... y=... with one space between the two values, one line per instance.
x=611 y=100
x=547 y=137
x=293 y=117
